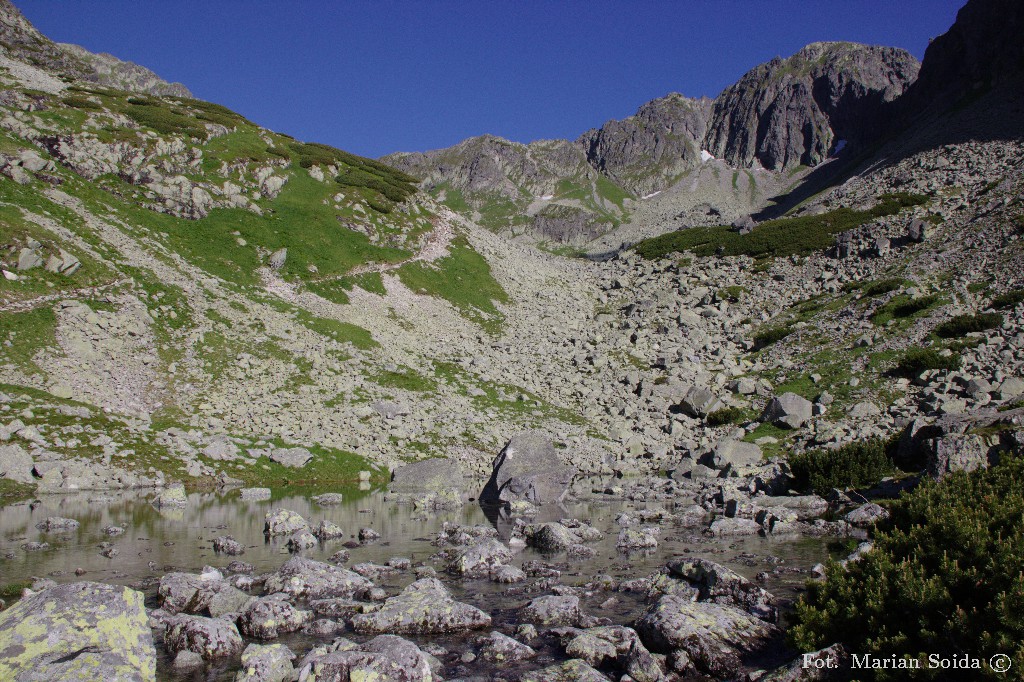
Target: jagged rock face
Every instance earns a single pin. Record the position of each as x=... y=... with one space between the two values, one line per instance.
x=646 y=151
x=109 y=71
x=982 y=50
x=24 y=42
x=794 y=111
x=495 y=165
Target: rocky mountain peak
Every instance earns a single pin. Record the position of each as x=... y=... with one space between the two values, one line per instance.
x=795 y=111
x=22 y=41
x=645 y=152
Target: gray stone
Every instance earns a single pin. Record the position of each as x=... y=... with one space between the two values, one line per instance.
x=424 y=607
x=919 y=230
x=28 y=259
x=254 y=493
x=266 y=663
x=226 y=544
x=302 y=577
x=723 y=527
x=277 y=259
x=556 y=610
x=788 y=410
x=55 y=524
x=283 y=522
x=211 y=638
x=173 y=496
x=295 y=458
x=528 y=468
x=573 y=670
x=269 y=617
x=16 y=464
x=328 y=499
x=480 y=559
x=720 y=585
x=77 y=631
x=301 y=540
x=737 y=455
x=328 y=530
x=715 y=637
x=498 y=648
x=956 y=452
x=700 y=402
x=866 y=515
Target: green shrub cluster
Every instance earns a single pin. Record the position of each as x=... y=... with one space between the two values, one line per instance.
x=962 y=325
x=918 y=360
x=357 y=171
x=775 y=238
x=769 y=336
x=76 y=102
x=850 y=466
x=882 y=286
x=903 y=306
x=163 y=119
x=946 y=575
x=726 y=415
x=1010 y=299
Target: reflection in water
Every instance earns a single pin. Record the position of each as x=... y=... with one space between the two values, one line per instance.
x=158 y=541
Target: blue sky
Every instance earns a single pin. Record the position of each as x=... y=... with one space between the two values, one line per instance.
x=376 y=76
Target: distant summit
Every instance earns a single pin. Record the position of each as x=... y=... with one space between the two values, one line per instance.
x=23 y=42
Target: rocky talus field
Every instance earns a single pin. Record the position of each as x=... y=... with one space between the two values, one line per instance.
x=731 y=389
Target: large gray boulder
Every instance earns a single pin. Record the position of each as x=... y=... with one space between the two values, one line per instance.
x=211 y=638
x=735 y=455
x=715 y=637
x=16 y=464
x=700 y=402
x=386 y=658
x=269 y=617
x=309 y=579
x=424 y=607
x=720 y=585
x=283 y=522
x=956 y=452
x=528 y=468
x=428 y=475
x=788 y=410
x=480 y=559
x=78 y=631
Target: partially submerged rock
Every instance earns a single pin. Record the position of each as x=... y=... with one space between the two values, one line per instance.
x=529 y=468
x=283 y=522
x=424 y=607
x=302 y=577
x=209 y=637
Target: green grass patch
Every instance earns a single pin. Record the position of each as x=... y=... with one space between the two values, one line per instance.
x=343 y=332
x=731 y=293
x=406 y=379
x=773 y=335
x=29 y=332
x=775 y=238
x=726 y=415
x=882 y=286
x=463 y=278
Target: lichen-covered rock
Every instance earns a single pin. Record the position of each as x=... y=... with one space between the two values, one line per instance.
x=327 y=530
x=209 y=637
x=283 y=522
x=172 y=496
x=642 y=538
x=226 y=544
x=302 y=577
x=328 y=499
x=713 y=636
x=385 y=658
x=528 y=468
x=718 y=584
x=479 y=560
x=266 y=663
x=227 y=600
x=498 y=648
x=557 y=610
x=423 y=607
x=301 y=540
x=269 y=617
x=189 y=592
x=254 y=493
x=866 y=515
x=77 y=631
x=570 y=671
x=507 y=574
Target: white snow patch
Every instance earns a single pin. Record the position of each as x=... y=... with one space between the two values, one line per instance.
x=653 y=194
x=840 y=146
x=706 y=156
x=547 y=197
